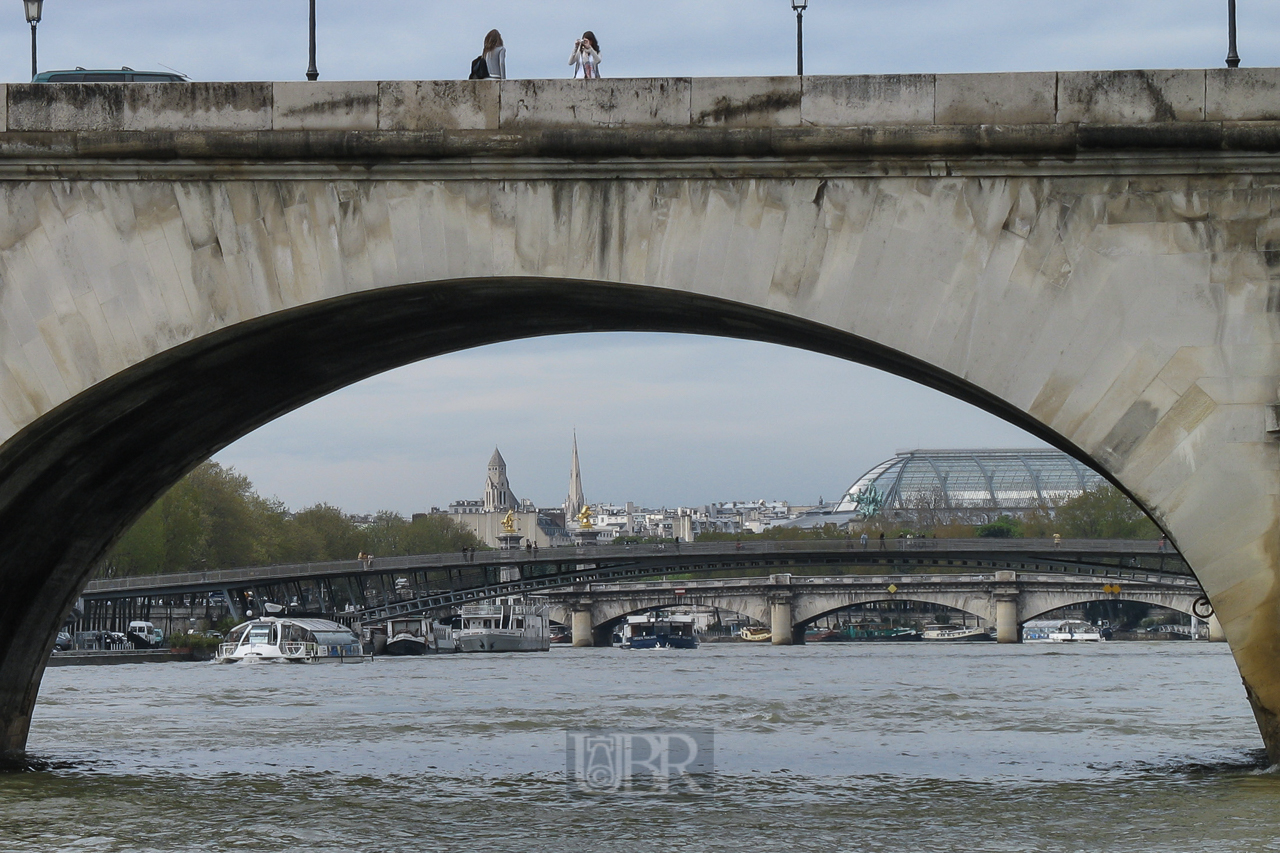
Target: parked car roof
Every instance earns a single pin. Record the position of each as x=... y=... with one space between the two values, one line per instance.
x=107 y=75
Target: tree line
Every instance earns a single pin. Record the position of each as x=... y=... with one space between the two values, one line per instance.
x=214 y=519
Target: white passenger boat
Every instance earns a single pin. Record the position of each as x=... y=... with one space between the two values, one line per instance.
x=1061 y=631
x=956 y=633
x=505 y=625
x=1075 y=631
x=279 y=639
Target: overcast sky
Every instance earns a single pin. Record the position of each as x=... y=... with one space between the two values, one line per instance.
x=661 y=420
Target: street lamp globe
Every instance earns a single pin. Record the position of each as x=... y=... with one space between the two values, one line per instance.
x=34 y=8
x=797 y=5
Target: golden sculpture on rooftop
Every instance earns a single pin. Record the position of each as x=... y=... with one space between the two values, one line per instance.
x=509 y=522
x=584 y=518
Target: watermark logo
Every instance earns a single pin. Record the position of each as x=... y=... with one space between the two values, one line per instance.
x=613 y=762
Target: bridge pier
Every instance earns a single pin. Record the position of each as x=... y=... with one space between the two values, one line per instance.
x=1006 y=596
x=780 y=622
x=583 y=632
x=1216 y=634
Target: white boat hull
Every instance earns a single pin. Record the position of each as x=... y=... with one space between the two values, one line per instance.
x=501 y=641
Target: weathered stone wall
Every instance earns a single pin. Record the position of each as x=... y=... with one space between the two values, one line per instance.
x=1103 y=97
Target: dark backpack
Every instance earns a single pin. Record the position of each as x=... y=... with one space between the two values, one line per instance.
x=479 y=68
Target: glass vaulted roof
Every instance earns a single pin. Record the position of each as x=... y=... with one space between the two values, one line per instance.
x=968 y=482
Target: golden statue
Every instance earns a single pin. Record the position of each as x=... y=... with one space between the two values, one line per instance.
x=509 y=522
x=584 y=518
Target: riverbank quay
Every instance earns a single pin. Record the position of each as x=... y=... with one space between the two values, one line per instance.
x=117 y=656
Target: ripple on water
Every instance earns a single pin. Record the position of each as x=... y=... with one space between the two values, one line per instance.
x=847 y=748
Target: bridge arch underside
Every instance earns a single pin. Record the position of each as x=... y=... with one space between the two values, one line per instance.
x=1126 y=318
x=806 y=609
x=611 y=611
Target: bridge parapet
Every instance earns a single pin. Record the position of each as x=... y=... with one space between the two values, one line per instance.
x=1040 y=98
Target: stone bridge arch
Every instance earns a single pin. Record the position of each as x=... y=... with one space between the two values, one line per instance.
x=1034 y=605
x=162 y=294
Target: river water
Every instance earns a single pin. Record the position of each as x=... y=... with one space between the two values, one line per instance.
x=857 y=747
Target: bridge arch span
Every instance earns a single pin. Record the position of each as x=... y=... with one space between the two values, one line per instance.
x=147 y=318
x=1035 y=606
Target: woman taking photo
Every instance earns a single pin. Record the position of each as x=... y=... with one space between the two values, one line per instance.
x=585 y=58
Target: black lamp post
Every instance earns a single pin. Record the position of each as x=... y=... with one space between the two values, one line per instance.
x=1233 y=58
x=34 y=8
x=312 y=72
x=800 y=6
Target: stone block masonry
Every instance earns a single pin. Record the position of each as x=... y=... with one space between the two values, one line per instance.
x=1034 y=98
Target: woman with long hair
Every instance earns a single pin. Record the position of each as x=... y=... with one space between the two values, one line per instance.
x=495 y=55
x=585 y=58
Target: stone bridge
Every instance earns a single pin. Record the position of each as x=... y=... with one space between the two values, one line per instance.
x=1094 y=256
x=788 y=603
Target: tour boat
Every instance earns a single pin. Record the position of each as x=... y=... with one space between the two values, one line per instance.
x=653 y=631
x=505 y=625
x=956 y=633
x=273 y=638
x=1060 y=631
x=755 y=633
x=1075 y=631
x=412 y=636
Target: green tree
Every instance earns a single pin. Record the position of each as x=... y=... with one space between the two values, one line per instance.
x=1104 y=513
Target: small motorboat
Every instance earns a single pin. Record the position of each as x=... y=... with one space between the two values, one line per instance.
x=413 y=636
x=755 y=633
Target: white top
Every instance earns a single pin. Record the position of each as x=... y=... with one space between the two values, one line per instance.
x=585 y=61
x=496 y=59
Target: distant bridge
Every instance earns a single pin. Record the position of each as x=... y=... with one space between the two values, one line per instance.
x=391 y=586
x=788 y=603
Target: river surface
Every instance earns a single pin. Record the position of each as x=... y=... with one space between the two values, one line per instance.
x=850 y=747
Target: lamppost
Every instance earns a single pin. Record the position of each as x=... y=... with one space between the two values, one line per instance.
x=799 y=6
x=312 y=72
x=34 y=8
x=1233 y=59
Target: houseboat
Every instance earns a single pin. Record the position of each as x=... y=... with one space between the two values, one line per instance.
x=1062 y=631
x=657 y=631
x=279 y=639
x=505 y=625
x=755 y=633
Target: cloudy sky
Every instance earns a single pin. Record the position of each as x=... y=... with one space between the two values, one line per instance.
x=661 y=420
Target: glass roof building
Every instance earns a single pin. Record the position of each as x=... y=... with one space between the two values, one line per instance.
x=968 y=486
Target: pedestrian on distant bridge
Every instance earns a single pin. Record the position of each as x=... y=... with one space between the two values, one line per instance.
x=585 y=58
x=864 y=541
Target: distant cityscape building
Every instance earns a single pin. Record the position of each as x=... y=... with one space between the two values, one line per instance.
x=497 y=491
x=964 y=486
x=917 y=487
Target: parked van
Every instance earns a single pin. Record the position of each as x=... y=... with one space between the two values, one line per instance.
x=144 y=635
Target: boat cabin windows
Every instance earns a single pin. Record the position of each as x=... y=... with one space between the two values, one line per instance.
x=262 y=634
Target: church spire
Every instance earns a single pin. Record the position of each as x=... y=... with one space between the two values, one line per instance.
x=574 y=503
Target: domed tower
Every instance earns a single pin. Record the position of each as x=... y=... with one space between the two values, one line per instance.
x=497 y=491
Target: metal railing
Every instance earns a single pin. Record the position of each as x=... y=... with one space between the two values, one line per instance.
x=1042 y=548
